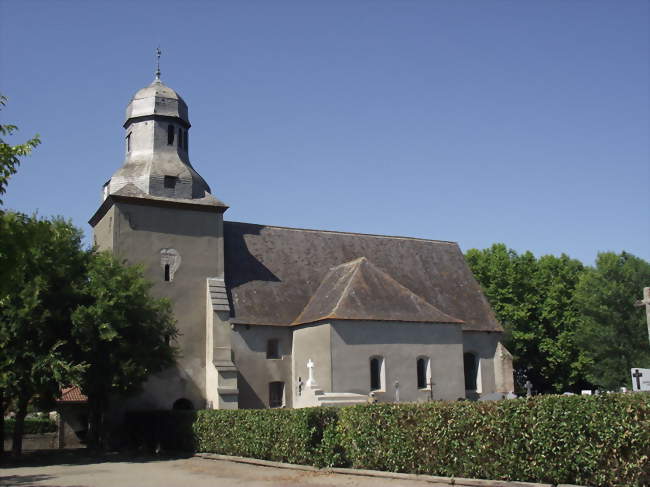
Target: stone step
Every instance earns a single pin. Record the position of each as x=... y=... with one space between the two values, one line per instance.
x=341 y=399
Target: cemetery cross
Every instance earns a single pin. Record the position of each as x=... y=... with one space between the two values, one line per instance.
x=529 y=388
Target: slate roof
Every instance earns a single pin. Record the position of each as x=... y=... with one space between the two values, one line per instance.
x=272 y=273
x=358 y=290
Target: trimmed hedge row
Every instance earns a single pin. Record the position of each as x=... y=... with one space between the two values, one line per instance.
x=596 y=440
x=600 y=440
x=33 y=426
x=284 y=435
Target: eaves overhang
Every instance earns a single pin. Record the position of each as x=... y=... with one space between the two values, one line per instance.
x=207 y=204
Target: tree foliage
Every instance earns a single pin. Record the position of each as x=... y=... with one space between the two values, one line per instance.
x=10 y=155
x=533 y=300
x=35 y=322
x=71 y=316
x=121 y=332
x=568 y=326
x=613 y=332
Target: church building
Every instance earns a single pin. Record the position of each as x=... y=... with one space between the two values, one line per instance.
x=286 y=317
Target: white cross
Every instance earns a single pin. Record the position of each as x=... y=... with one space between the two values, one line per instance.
x=310 y=381
x=645 y=302
x=529 y=388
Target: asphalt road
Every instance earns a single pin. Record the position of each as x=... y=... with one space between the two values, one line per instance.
x=184 y=472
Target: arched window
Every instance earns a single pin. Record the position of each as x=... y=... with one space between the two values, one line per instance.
x=183 y=404
x=377 y=374
x=170 y=134
x=167 y=274
x=470 y=363
x=423 y=366
x=273 y=348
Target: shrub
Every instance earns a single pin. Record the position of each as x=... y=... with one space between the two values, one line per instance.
x=286 y=435
x=599 y=440
x=33 y=426
x=595 y=440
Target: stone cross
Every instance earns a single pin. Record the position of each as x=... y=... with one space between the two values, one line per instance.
x=397 y=390
x=637 y=375
x=431 y=384
x=645 y=302
x=529 y=388
x=310 y=380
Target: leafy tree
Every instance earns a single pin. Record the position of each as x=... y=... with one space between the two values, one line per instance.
x=533 y=300
x=613 y=332
x=10 y=155
x=35 y=345
x=123 y=334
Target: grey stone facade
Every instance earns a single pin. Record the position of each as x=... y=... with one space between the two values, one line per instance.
x=255 y=304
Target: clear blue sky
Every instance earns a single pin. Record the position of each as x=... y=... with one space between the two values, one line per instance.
x=474 y=121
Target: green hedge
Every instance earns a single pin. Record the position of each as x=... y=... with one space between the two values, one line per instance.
x=284 y=435
x=599 y=440
x=593 y=440
x=33 y=426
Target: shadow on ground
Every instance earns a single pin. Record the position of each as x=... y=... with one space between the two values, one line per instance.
x=23 y=479
x=80 y=456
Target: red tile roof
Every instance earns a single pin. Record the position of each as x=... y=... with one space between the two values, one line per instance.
x=72 y=394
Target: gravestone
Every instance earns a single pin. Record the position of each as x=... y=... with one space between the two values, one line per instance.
x=640 y=379
x=529 y=388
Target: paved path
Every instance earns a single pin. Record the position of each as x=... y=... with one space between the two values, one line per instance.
x=186 y=472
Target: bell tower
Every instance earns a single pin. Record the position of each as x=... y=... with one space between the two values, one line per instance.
x=157 y=146
x=158 y=211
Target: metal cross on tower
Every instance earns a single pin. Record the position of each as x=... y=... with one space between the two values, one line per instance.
x=645 y=302
x=158 y=53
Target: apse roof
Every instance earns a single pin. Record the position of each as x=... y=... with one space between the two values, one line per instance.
x=358 y=290
x=272 y=273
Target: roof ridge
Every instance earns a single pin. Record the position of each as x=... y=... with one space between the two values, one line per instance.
x=356 y=263
x=340 y=232
x=314 y=294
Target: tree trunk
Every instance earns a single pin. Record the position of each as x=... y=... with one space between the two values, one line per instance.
x=19 y=426
x=2 y=423
x=95 y=436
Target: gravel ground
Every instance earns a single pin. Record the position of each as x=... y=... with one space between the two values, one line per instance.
x=78 y=470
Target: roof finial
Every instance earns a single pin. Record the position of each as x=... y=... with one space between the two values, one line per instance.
x=158 y=53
